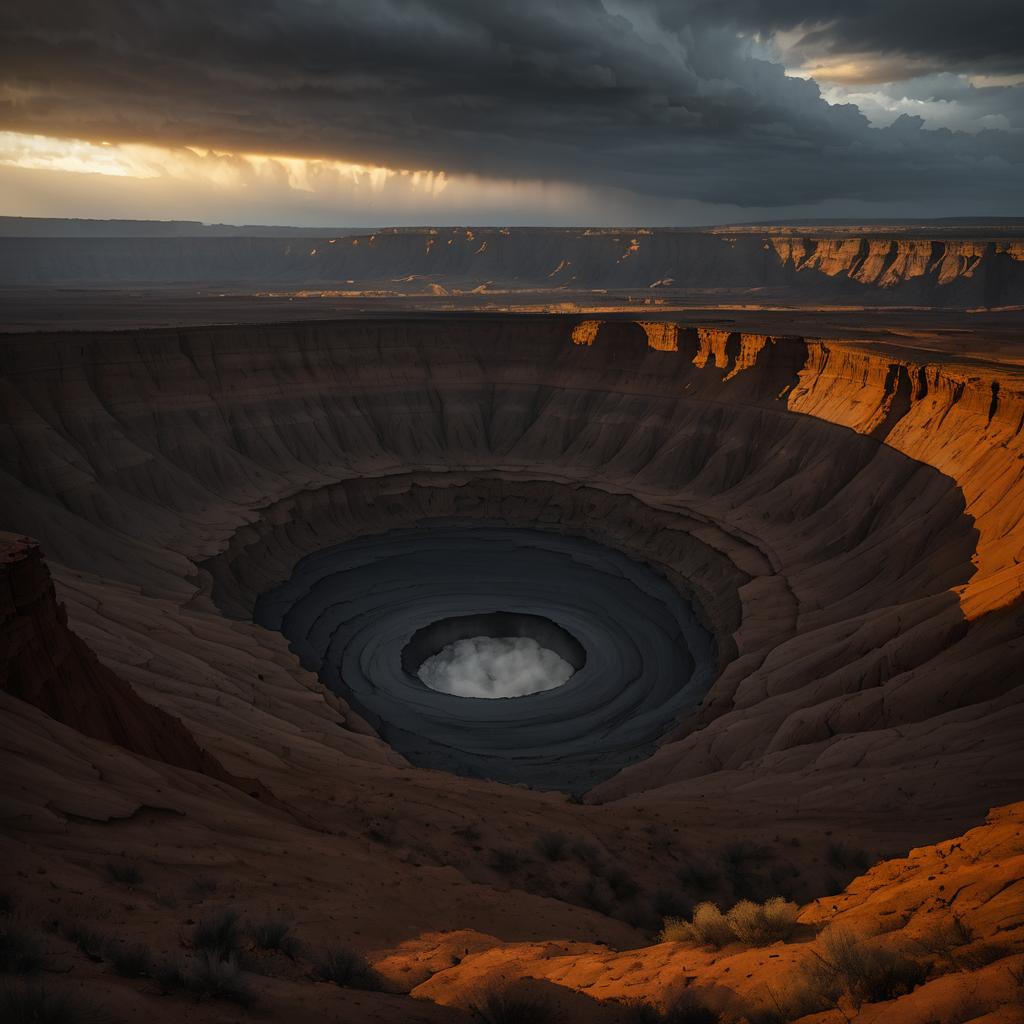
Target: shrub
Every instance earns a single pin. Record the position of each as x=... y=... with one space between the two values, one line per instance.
x=710 y=926
x=553 y=846
x=87 y=939
x=761 y=924
x=506 y=1005
x=750 y=923
x=217 y=978
x=37 y=1005
x=218 y=934
x=131 y=961
x=867 y=972
x=676 y=929
x=347 y=968
x=19 y=951
x=123 y=873
x=274 y=935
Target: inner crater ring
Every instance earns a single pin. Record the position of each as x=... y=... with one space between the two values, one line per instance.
x=367 y=613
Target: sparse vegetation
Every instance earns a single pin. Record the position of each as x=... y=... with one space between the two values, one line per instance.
x=347 y=968
x=275 y=935
x=864 y=971
x=34 y=1004
x=218 y=934
x=760 y=924
x=752 y=924
x=507 y=1005
x=19 y=950
x=123 y=873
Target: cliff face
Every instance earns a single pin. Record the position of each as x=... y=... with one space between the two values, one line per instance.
x=871 y=268
x=846 y=521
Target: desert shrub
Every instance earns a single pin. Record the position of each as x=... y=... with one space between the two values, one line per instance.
x=130 y=961
x=213 y=977
x=676 y=929
x=710 y=927
x=218 y=934
x=19 y=950
x=506 y=1005
x=759 y=924
x=347 y=968
x=124 y=873
x=553 y=846
x=34 y=1004
x=87 y=939
x=275 y=935
x=866 y=972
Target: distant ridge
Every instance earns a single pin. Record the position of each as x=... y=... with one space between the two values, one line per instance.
x=60 y=227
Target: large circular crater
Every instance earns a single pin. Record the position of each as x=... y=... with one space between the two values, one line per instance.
x=369 y=614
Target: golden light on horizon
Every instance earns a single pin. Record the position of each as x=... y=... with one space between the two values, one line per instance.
x=202 y=165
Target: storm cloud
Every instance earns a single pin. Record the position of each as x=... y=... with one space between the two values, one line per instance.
x=672 y=101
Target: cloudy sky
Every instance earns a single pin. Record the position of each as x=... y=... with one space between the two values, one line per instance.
x=346 y=112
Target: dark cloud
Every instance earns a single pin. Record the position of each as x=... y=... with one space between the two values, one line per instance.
x=665 y=100
x=982 y=36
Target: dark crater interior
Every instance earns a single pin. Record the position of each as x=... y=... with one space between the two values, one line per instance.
x=366 y=613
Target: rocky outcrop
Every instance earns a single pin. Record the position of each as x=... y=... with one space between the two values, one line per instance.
x=47 y=665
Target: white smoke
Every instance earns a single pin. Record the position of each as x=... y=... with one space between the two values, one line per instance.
x=483 y=666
